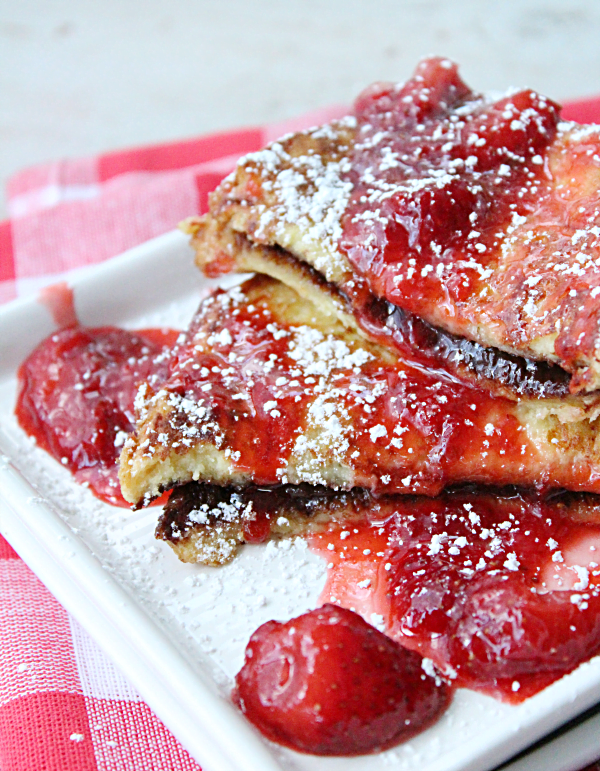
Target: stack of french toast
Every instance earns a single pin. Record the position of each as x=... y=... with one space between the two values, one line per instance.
x=423 y=316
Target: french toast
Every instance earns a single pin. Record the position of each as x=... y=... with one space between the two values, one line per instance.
x=266 y=388
x=478 y=216
x=410 y=381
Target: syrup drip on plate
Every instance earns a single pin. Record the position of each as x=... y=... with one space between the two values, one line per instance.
x=60 y=301
x=437 y=171
x=76 y=397
x=501 y=592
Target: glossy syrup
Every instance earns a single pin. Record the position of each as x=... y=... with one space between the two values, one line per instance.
x=438 y=174
x=436 y=349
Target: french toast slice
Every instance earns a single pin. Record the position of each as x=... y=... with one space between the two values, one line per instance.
x=266 y=388
x=481 y=217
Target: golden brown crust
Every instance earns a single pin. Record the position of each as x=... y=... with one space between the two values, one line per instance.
x=217 y=243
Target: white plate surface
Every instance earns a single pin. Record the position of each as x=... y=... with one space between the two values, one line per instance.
x=179 y=631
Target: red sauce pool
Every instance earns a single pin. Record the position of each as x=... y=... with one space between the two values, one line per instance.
x=501 y=592
x=328 y=683
x=76 y=397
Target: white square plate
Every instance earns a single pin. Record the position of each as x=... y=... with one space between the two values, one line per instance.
x=178 y=631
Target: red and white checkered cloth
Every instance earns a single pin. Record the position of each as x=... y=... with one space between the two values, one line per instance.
x=63 y=704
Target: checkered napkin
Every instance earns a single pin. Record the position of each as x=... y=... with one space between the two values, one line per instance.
x=63 y=704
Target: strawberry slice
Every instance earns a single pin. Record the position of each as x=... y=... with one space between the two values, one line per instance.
x=328 y=683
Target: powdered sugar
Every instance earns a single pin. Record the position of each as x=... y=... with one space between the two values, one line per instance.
x=307 y=193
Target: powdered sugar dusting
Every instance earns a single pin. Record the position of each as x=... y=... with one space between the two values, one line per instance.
x=308 y=193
